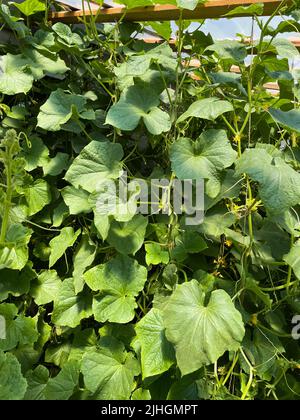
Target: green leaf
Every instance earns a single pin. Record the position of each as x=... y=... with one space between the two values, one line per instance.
x=262 y=350
x=20 y=330
x=61 y=243
x=135 y=103
x=188 y=4
x=63 y=385
x=77 y=200
x=15 y=256
x=289 y=119
x=233 y=51
x=66 y=36
x=204 y=158
x=96 y=162
x=285 y=48
x=156 y=255
x=15 y=282
x=256 y=9
x=12 y=385
x=69 y=308
x=189 y=242
x=293 y=259
x=59 y=109
x=119 y=282
x=83 y=257
x=279 y=184
x=228 y=79
x=128 y=237
x=37 y=380
x=137 y=65
x=45 y=288
x=200 y=332
x=14 y=78
x=37 y=195
x=109 y=372
x=157 y=354
x=14 y=23
x=208 y=109
x=162 y=29
x=30 y=7
x=56 y=165
x=35 y=156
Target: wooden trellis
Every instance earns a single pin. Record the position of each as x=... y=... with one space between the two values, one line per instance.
x=211 y=10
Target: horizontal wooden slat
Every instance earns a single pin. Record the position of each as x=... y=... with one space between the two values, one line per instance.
x=210 y=10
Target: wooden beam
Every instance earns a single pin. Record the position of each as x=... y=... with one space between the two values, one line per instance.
x=211 y=10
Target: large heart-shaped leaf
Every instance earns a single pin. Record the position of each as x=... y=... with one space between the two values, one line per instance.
x=204 y=158
x=96 y=162
x=279 y=184
x=201 y=332
x=119 y=282
x=135 y=103
x=59 y=109
x=109 y=372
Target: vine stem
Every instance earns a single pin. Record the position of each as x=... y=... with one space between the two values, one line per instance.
x=8 y=196
x=235 y=360
x=290 y=271
x=251 y=376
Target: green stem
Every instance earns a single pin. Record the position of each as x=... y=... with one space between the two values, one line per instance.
x=290 y=270
x=281 y=287
x=8 y=196
x=251 y=376
x=235 y=360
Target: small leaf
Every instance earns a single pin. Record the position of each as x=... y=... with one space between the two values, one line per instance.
x=119 y=282
x=37 y=195
x=157 y=354
x=128 y=237
x=233 y=51
x=155 y=254
x=109 y=372
x=69 y=308
x=61 y=243
x=293 y=259
x=46 y=287
x=77 y=200
x=30 y=7
x=256 y=9
x=208 y=109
